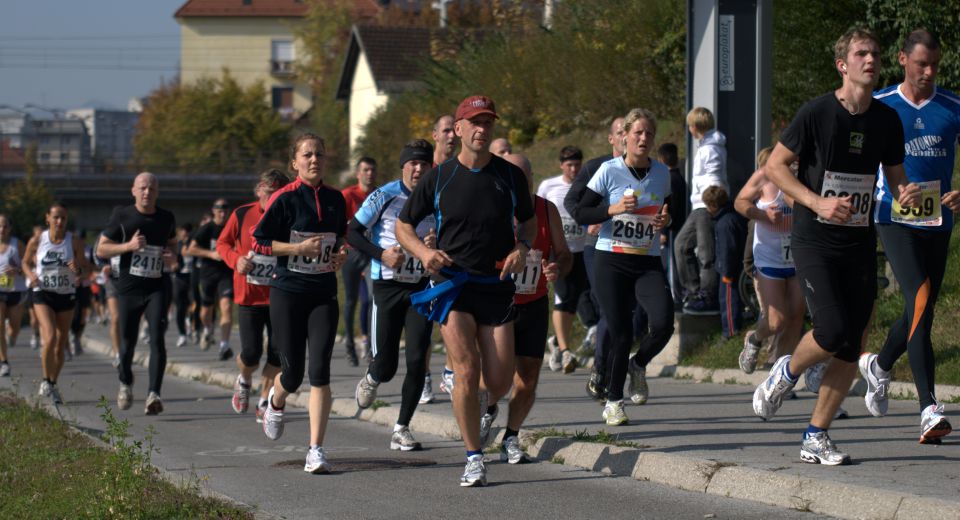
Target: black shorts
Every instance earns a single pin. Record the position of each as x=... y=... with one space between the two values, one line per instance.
x=84 y=295
x=567 y=290
x=10 y=299
x=530 y=328
x=489 y=304
x=840 y=290
x=58 y=302
x=253 y=321
x=213 y=289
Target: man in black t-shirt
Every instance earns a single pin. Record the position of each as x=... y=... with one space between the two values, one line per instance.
x=840 y=139
x=143 y=236
x=216 y=280
x=475 y=199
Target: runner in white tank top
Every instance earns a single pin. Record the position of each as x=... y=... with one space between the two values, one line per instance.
x=10 y=293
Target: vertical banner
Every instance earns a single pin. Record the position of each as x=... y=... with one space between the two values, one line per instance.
x=725 y=53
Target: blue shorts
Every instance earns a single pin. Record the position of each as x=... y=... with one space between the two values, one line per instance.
x=777 y=273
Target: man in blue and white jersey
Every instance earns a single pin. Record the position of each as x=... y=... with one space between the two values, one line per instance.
x=916 y=239
x=396 y=275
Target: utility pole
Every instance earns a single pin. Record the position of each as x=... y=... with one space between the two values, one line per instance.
x=441 y=5
x=548 y=6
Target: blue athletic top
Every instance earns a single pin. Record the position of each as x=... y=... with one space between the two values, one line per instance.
x=379 y=215
x=930 y=130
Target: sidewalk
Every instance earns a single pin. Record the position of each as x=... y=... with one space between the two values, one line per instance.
x=695 y=436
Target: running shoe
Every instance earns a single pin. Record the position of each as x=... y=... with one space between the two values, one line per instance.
x=486 y=423
x=639 y=391
x=55 y=395
x=569 y=362
x=34 y=342
x=45 y=388
x=475 y=473
x=125 y=397
x=878 y=384
x=819 y=449
x=182 y=341
x=261 y=409
x=813 y=376
x=207 y=342
x=933 y=424
x=403 y=440
x=77 y=346
x=446 y=381
x=153 y=404
x=316 y=461
x=595 y=387
x=115 y=361
x=589 y=340
x=768 y=397
x=614 y=415
x=272 y=419
x=841 y=414
x=366 y=392
x=4 y=369
x=751 y=349
x=225 y=351
x=426 y=397
x=556 y=355
x=512 y=453
x=241 y=396
x=701 y=305
x=352 y=355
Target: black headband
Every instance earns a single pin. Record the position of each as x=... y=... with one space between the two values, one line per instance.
x=410 y=153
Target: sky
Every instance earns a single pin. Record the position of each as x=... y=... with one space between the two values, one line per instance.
x=63 y=54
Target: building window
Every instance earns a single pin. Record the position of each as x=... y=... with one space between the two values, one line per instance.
x=63 y=156
x=281 y=57
x=283 y=102
x=45 y=156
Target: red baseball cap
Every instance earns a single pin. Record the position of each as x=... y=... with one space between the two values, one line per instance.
x=474 y=106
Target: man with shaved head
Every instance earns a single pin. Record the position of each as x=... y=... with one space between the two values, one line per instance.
x=501 y=147
x=142 y=235
x=445 y=139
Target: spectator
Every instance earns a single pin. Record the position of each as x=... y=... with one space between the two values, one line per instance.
x=731 y=236
x=667 y=154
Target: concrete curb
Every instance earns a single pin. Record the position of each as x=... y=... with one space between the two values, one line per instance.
x=688 y=473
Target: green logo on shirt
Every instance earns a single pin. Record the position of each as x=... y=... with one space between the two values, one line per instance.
x=856 y=141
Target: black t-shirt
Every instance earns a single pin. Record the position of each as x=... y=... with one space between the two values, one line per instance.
x=579 y=187
x=158 y=228
x=845 y=151
x=475 y=211
x=206 y=238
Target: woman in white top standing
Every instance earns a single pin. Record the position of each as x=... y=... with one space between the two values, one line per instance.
x=51 y=263
x=11 y=286
x=775 y=276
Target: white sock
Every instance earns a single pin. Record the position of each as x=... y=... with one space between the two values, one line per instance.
x=397 y=427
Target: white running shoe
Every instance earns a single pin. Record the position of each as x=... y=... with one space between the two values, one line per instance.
x=272 y=419
x=125 y=397
x=614 y=415
x=366 y=392
x=403 y=440
x=639 y=391
x=933 y=424
x=819 y=449
x=115 y=361
x=486 y=423
x=556 y=355
x=751 y=349
x=182 y=341
x=4 y=369
x=841 y=414
x=241 y=396
x=512 y=453
x=153 y=404
x=569 y=361
x=261 y=409
x=813 y=376
x=426 y=397
x=45 y=388
x=316 y=461
x=475 y=473
x=878 y=384
x=446 y=381
x=768 y=397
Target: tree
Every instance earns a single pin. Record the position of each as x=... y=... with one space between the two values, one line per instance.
x=212 y=125
x=27 y=200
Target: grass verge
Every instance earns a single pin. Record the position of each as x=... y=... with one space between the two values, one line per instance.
x=48 y=470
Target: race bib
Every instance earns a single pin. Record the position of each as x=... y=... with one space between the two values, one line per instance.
x=411 y=271
x=147 y=262
x=786 y=254
x=860 y=190
x=527 y=281
x=6 y=282
x=315 y=264
x=115 y=266
x=573 y=233
x=60 y=280
x=634 y=231
x=928 y=213
x=262 y=270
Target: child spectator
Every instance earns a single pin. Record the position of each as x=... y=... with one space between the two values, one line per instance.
x=731 y=237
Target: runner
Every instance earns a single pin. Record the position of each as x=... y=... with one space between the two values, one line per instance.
x=636 y=190
x=474 y=305
x=833 y=240
x=546 y=262
x=12 y=286
x=569 y=288
x=782 y=307
x=357 y=264
x=142 y=236
x=182 y=295
x=28 y=302
x=303 y=226
x=916 y=240
x=84 y=300
x=195 y=314
x=251 y=281
x=51 y=263
x=501 y=147
x=216 y=281
x=396 y=275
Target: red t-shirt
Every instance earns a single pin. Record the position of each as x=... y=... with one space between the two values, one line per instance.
x=354 y=195
x=236 y=240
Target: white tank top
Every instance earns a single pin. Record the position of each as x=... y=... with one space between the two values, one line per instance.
x=11 y=257
x=771 y=244
x=51 y=269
